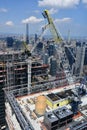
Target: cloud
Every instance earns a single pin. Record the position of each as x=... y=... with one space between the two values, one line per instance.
x=3 y=10
x=53 y=11
x=63 y=20
x=9 y=23
x=84 y=1
x=32 y=19
x=58 y=3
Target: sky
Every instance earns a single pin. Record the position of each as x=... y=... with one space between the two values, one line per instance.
x=67 y=15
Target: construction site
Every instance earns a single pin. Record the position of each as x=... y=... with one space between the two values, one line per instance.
x=44 y=86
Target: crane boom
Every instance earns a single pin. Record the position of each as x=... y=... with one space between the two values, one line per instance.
x=26 y=48
x=39 y=39
x=56 y=34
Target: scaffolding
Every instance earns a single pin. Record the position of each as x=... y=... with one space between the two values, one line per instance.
x=13 y=71
x=29 y=74
x=24 y=122
x=16 y=91
x=2 y=105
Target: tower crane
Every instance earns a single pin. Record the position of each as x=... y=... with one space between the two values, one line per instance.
x=39 y=39
x=26 y=48
x=57 y=37
x=56 y=34
x=28 y=52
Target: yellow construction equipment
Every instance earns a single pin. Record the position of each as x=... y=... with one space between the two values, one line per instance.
x=26 y=49
x=56 y=34
x=57 y=37
x=29 y=51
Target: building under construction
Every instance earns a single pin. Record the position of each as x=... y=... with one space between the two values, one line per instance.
x=13 y=71
x=38 y=96
x=31 y=110
x=16 y=71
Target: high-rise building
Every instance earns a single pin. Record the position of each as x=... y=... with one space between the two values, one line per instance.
x=13 y=71
x=85 y=58
x=9 y=41
x=71 y=59
x=80 y=58
x=36 y=38
x=45 y=58
x=78 y=44
x=27 y=34
x=39 y=47
x=51 y=50
x=53 y=66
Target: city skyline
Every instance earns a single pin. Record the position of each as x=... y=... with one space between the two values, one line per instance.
x=67 y=15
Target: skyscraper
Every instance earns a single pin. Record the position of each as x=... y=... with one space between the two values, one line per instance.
x=53 y=66
x=36 y=37
x=51 y=50
x=9 y=41
x=27 y=34
x=45 y=58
